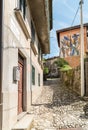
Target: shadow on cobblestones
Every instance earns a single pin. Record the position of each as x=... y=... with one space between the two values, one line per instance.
x=64 y=96
x=58 y=108
x=61 y=94
x=57 y=95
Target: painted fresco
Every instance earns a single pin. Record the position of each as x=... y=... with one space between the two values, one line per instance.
x=70 y=45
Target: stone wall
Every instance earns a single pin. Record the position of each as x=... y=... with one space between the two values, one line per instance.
x=71 y=79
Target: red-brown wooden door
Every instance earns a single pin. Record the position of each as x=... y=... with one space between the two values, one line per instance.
x=20 y=87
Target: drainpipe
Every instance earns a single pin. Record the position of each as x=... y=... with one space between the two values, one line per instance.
x=1 y=43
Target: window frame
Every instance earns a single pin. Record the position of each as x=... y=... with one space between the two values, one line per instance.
x=33 y=75
x=21 y=4
x=39 y=79
x=39 y=53
x=32 y=31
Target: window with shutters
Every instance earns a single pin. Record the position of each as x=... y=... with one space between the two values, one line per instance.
x=33 y=75
x=21 y=4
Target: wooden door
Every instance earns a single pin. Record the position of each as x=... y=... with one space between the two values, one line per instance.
x=20 y=87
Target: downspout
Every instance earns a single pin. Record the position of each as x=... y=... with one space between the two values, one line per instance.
x=1 y=44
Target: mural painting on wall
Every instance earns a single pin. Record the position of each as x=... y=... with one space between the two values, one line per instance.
x=70 y=45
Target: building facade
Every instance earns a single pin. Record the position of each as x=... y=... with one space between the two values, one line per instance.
x=70 y=50
x=25 y=39
x=69 y=43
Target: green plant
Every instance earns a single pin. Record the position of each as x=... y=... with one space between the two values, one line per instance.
x=61 y=62
x=46 y=70
x=65 y=68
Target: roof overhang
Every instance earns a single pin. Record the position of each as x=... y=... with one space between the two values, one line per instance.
x=43 y=25
x=50 y=14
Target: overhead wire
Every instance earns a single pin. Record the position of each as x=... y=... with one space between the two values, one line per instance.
x=71 y=23
x=75 y=16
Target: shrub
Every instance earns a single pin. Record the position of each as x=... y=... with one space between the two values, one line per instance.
x=61 y=62
x=46 y=70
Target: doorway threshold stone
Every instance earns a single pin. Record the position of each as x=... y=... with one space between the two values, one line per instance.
x=25 y=123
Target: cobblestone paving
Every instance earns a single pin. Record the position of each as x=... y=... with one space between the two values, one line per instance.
x=58 y=108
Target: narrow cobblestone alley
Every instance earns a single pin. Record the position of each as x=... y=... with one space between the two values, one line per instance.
x=58 y=108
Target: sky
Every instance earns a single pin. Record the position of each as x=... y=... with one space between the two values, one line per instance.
x=63 y=15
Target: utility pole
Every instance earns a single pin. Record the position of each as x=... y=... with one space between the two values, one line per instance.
x=1 y=42
x=82 y=48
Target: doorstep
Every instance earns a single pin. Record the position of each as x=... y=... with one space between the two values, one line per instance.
x=25 y=123
x=21 y=115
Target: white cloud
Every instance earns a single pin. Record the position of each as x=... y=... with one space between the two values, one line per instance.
x=85 y=16
x=55 y=2
x=65 y=2
x=63 y=13
x=53 y=34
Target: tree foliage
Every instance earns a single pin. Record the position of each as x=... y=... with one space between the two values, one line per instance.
x=46 y=70
x=61 y=62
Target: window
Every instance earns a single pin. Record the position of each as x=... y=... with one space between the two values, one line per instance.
x=39 y=49
x=32 y=31
x=33 y=75
x=38 y=79
x=39 y=53
x=22 y=7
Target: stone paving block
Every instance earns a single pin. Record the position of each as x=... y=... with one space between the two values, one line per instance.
x=51 y=129
x=72 y=129
x=59 y=108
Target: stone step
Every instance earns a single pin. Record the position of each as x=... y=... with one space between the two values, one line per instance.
x=25 y=123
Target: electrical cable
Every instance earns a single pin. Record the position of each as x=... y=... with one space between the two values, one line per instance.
x=71 y=23
x=75 y=16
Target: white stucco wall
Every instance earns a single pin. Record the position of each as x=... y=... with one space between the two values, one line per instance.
x=15 y=41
